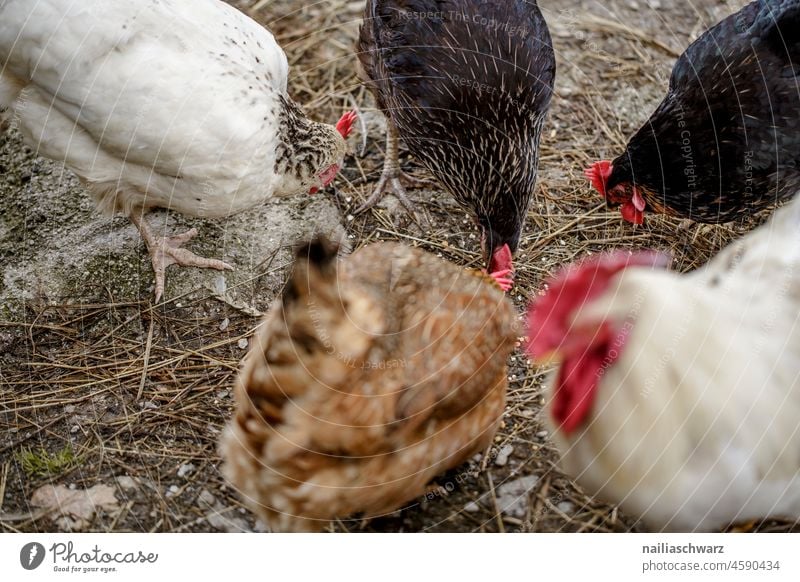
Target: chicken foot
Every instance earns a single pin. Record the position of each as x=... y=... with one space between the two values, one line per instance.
x=393 y=179
x=166 y=251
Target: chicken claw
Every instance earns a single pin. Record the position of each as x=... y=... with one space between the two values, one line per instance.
x=166 y=251
x=393 y=179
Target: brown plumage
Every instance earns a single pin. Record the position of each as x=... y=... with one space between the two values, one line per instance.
x=369 y=377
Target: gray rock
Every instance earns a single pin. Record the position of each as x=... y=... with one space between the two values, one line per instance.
x=472 y=507
x=185 y=470
x=502 y=455
x=127 y=483
x=566 y=507
x=225 y=523
x=512 y=497
x=206 y=498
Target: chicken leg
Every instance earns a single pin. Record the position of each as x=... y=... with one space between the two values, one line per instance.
x=166 y=251
x=393 y=178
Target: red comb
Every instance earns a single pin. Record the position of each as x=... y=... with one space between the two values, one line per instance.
x=345 y=124
x=598 y=175
x=573 y=286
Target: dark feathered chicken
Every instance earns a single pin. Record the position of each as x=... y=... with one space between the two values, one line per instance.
x=726 y=139
x=467 y=85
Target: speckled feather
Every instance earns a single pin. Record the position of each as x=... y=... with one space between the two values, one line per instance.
x=469 y=99
x=366 y=380
x=179 y=104
x=726 y=139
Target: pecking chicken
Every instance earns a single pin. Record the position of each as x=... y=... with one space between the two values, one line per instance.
x=177 y=104
x=678 y=396
x=467 y=85
x=369 y=377
x=725 y=141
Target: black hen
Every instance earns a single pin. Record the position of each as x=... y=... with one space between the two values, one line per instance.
x=467 y=85
x=726 y=139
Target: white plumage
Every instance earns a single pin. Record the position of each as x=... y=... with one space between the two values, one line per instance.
x=696 y=425
x=178 y=104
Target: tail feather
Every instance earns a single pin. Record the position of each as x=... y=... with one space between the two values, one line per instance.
x=314 y=267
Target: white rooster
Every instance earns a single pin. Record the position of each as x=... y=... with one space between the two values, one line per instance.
x=678 y=396
x=177 y=104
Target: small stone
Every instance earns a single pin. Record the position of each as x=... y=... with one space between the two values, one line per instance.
x=74 y=429
x=69 y=409
x=242 y=343
x=221 y=521
x=207 y=498
x=472 y=507
x=542 y=434
x=566 y=507
x=220 y=285
x=127 y=483
x=512 y=497
x=502 y=455
x=185 y=470
x=224 y=325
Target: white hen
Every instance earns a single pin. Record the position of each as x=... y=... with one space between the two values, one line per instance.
x=178 y=104
x=678 y=396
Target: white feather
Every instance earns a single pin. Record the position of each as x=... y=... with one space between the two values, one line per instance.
x=170 y=103
x=697 y=425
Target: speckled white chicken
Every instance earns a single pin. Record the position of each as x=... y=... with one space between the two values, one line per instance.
x=678 y=395
x=177 y=104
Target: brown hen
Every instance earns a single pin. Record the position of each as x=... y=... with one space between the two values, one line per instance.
x=369 y=377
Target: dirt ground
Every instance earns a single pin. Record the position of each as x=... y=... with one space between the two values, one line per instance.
x=101 y=389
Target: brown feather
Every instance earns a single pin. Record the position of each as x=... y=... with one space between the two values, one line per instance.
x=366 y=380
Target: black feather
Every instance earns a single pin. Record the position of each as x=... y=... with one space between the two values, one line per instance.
x=468 y=84
x=726 y=139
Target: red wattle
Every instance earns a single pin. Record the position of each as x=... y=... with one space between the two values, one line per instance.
x=631 y=213
x=580 y=375
x=637 y=200
x=575 y=392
